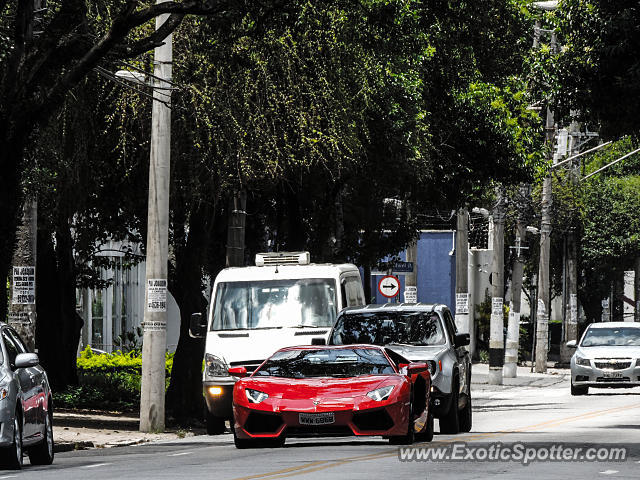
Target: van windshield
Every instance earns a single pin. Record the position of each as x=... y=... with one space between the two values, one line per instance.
x=309 y=302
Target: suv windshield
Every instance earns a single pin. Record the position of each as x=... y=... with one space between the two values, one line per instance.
x=602 y=337
x=326 y=363
x=307 y=302
x=381 y=328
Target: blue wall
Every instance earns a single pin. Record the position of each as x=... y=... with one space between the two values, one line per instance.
x=436 y=270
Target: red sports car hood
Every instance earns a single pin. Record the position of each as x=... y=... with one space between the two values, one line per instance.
x=324 y=387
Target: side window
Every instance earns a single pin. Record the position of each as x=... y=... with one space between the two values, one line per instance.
x=12 y=350
x=18 y=342
x=353 y=291
x=450 y=326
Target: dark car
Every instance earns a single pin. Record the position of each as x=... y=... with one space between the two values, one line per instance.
x=25 y=404
x=421 y=333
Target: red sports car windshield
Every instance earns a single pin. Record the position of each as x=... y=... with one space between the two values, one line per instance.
x=309 y=363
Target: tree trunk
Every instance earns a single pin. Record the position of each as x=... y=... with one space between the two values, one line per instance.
x=184 y=398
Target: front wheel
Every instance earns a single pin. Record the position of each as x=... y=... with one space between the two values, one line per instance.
x=427 y=435
x=582 y=390
x=11 y=456
x=42 y=454
x=215 y=425
x=407 y=439
x=450 y=423
x=466 y=416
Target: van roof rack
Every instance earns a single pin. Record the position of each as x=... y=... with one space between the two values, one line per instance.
x=282 y=258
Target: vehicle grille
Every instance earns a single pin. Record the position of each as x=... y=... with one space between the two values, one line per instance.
x=612 y=363
x=262 y=423
x=612 y=380
x=319 y=430
x=373 y=420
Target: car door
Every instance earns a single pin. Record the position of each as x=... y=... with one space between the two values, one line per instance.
x=24 y=377
x=38 y=381
x=462 y=355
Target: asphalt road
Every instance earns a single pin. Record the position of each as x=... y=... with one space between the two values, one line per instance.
x=530 y=416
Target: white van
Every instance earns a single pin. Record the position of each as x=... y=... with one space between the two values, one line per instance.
x=283 y=301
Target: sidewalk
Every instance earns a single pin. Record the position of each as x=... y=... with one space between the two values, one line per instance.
x=77 y=430
x=525 y=378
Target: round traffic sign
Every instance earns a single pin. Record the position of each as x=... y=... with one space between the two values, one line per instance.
x=389 y=286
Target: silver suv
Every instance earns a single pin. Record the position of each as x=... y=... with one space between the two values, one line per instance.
x=418 y=332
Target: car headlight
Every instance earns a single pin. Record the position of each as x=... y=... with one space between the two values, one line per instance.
x=255 y=396
x=380 y=394
x=432 y=367
x=215 y=367
x=582 y=361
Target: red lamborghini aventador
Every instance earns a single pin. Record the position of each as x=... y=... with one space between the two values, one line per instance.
x=332 y=391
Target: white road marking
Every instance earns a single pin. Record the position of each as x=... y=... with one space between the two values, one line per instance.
x=8 y=476
x=96 y=465
x=180 y=454
x=609 y=472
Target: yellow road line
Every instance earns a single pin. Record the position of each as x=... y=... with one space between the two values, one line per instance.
x=325 y=464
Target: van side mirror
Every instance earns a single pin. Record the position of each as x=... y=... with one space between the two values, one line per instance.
x=462 y=340
x=197 y=326
x=318 y=341
x=572 y=344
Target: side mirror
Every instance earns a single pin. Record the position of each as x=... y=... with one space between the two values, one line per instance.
x=238 y=372
x=197 y=326
x=318 y=341
x=462 y=340
x=26 y=360
x=572 y=344
x=415 y=368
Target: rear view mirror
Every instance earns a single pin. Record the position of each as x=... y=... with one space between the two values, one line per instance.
x=415 y=368
x=26 y=360
x=462 y=340
x=198 y=326
x=238 y=372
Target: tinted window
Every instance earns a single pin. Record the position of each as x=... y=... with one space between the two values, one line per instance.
x=22 y=348
x=382 y=328
x=326 y=363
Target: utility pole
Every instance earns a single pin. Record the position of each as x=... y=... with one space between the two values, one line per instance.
x=513 y=329
x=236 y=229
x=496 y=339
x=462 y=274
x=155 y=313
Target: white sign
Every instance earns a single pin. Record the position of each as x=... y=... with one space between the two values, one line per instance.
x=156 y=295
x=410 y=294
x=389 y=286
x=24 y=285
x=496 y=306
x=462 y=303
x=154 y=326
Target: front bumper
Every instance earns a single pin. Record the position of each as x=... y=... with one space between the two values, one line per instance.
x=591 y=376
x=389 y=420
x=219 y=404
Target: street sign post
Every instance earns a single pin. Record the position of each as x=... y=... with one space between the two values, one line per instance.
x=389 y=286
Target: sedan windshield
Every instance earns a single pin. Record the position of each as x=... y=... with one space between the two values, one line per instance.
x=424 y=328
x=309 y=302
x=617 y=337
x=326 y=363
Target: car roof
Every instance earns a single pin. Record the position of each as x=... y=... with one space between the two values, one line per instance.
x=614 y=325
x=284 y=272
x=396 y=307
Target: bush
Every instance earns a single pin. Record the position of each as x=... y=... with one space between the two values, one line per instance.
x=107 y=381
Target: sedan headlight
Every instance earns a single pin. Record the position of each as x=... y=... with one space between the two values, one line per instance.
x=255 y=396
x=432 y=367
x=582 y=361
x=380 y=394
x=215 y=367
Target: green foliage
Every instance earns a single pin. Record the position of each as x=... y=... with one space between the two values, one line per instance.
x=107 y=381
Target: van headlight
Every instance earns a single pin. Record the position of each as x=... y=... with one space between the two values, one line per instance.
x=380 y=394
x=585 y=362
x=215 y=367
